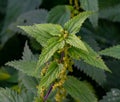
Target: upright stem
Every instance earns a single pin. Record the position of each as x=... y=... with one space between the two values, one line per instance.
x=76 y=4
x=70 y=1
x=48 y=93
x=62 y=55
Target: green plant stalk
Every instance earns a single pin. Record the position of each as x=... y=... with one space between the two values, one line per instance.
x=70 y=2
x=76 y=4
x=63 y=75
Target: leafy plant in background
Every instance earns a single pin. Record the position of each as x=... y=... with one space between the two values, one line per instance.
x=65 y=44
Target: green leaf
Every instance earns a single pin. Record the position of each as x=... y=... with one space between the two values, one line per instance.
x=76 y=42
x=8 y=95
x=112 y=79
x=28 y=63
x=90 y=57
x=63 y=15
x=53 y=45
x=79 y=90
x=74 y=25
x=108 y=3
x=29 y=82
x=29 y=18
x=111 y=13
x=112 y=96
x=33 y=17
x=27 y=67
x=96 y=74
x=14 y=10
x=110 y=10
x=51 y=74
x=3 y=6
x=42 y=32
x=112 y=52
x=17 y=8
x=27 y=54
x=89 y=38
x=27 y=96
x=107 y=31
x=91 y=6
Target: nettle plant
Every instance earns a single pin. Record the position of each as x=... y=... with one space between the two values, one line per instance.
x=61 y=46
x=51 y=76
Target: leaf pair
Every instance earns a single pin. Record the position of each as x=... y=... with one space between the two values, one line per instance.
x=54 y=37
x=91 y=58
x=51 y=74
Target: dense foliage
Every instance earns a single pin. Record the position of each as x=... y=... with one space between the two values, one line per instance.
x=59 y=51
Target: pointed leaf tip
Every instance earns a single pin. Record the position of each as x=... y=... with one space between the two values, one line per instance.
x=73 y=40
x=52 y=46
x=91 y=58
x=74 y=25
x=112 y=52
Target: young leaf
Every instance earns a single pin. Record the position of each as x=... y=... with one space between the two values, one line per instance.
x=42 y=32
x=79 y=90
x=27 y=67
x=112 y=52
x=76 y=42
x=90 y=57
x=51 y=74
x=63 y=15
x=91 y=6
x=112 y=96
x=74 y=25
x=53 y=45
